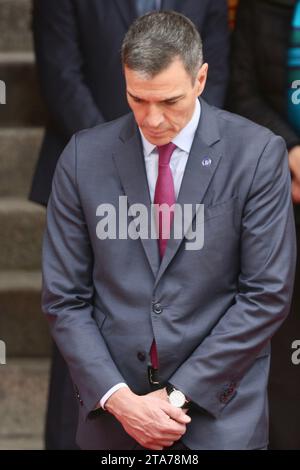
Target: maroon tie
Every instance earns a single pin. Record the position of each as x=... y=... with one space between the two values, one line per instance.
x=164 y=194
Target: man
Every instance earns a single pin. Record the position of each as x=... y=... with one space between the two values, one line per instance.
x=168 y=346
x=77 y=45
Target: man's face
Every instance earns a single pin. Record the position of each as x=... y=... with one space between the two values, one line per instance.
x=164 y=104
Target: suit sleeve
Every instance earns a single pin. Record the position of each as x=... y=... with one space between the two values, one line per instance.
x=60 y=65
x=245 y=97
x=215 y=37
x=67 y=296
x=210 y=377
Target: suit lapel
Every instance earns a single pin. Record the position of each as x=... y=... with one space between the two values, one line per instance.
x=132 y=172
x=197 y=175
x=196 y=180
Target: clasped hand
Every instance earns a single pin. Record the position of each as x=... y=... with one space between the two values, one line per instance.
x=150 y=419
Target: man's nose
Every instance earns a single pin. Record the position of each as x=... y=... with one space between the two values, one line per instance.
x=154 y=117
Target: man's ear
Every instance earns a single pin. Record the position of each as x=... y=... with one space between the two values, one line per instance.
x=201 y=78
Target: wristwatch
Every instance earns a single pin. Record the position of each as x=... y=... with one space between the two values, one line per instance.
x=176 y=397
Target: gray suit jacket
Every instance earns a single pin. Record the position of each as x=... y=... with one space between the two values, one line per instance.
x=219 y=305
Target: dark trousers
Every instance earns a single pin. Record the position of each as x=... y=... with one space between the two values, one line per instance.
x=284 y=384
x=62 y=411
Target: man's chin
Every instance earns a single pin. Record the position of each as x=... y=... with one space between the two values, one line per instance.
x=158 y=138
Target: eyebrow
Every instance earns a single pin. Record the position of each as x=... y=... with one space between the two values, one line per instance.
x=172 y=98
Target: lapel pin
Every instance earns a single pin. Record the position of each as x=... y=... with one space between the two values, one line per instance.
x=206 y=161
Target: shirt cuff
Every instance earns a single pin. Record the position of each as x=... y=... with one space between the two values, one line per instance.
x=109 y=393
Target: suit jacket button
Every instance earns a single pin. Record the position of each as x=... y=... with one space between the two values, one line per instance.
x=157 y=308
x=141 y=356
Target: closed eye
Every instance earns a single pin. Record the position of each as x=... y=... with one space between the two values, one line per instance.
x=137 y=100
x=171 y=102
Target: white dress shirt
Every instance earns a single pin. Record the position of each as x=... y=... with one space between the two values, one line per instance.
x=183 y=142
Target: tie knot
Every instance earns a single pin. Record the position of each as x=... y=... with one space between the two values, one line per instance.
x=165 y=153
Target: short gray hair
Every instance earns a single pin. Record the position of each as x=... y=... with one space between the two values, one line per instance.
x=156 y=39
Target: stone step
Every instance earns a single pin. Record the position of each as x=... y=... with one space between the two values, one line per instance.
x=21 y=231
x=15 y=25
x=23 y=104
x=23 y=397
x=23 y=326
x=19 y=148
x=22 y=443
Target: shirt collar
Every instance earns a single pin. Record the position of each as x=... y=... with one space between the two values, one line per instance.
x=184 y=139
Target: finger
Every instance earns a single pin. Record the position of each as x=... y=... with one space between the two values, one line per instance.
x=295 y=192
x=176 y=414
x=170 y=436
x=163 y=442
x=296 y=186
x=170 y=426
x=154 y=446
x=176 y=430
x=175 y=427
x=167 y=443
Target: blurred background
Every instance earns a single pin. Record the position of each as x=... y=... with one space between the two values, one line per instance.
x=24 y=378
